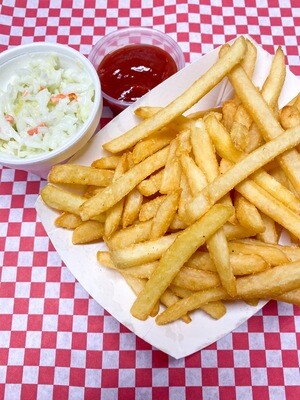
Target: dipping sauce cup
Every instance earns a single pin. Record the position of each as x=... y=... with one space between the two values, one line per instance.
x=132 y=61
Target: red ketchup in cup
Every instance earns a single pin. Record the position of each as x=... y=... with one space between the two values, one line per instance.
x=132 y=61
x=131 y=71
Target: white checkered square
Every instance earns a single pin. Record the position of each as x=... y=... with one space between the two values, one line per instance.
x=16 y=356
x=44 y=392
x=110 y=359
x=78 y=358
x=47 y=357
x=61 y=376
x=143 y=358
x=33 y=339
x=160 y=377
x=12 y=391
x=109 y=394
x=92 y=378
x=127 y=377
x=64 y=340
x=209 y=359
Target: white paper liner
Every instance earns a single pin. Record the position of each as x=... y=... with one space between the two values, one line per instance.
x=108 y=287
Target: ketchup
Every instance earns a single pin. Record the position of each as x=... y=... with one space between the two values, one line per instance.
x=128 y=73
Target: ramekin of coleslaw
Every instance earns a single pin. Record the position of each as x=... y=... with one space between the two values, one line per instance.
x=50 y=105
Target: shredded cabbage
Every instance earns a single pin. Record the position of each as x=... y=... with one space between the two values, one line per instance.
x=43 y=105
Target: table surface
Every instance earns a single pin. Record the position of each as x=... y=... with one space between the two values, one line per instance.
x=56 y=342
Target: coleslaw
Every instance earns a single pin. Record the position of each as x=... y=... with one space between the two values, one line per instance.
x=43 y=105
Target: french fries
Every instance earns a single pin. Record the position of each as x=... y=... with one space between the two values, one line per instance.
x=191 y=206
x=178 y=253
x=273 y=283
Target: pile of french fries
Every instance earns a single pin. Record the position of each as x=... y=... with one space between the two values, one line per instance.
x=191 y=206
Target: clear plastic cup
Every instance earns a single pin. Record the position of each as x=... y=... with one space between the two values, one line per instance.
x=130 y=36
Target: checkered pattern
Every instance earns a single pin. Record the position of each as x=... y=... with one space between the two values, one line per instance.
x=56 y=342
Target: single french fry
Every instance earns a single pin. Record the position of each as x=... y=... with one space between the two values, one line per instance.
x=137 y=285
x=146 y=111
x=233 y=232
x=219 y=252
x=228 y=110
x=171 y=173
x=183 y=140
x=87 y=232
x=203 y=150
x=195 y=177
x=240 y=134
x=247 y=214
x=215 y=309
x=79 y=174
x=150 y=186
x=272 y=255
x=289 y=117
x=193 y=302
x=139 y=232
x=249 y=61
x=168 y=298
x=242 y=264
x=164 y=216
x=240 y=171
x=292 y=297
x=273 y=84
x=152 y=144
x=142 y=253
x=185 y=197
x=109 y=162
x=178 y=253
x=114 y=214
x=132 y=207
x=104 y=258
x=267 y=284
x=123 y=185
x=143 y=270
x=68 y=220
x=62 y=200
x=292 y=252
x=149 y=209
x=270 y=234
x=182 y=103
x=196 y=279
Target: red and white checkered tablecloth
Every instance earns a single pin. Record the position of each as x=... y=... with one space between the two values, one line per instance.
x=56 y=342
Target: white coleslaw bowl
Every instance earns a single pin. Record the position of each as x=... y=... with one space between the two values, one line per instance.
x=10 y=61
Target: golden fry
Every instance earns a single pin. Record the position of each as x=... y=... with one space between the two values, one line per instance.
x=79 y=174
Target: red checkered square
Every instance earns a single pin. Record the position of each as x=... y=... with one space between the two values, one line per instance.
x=110 y=378
x=127 y=359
